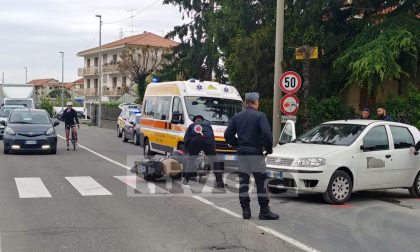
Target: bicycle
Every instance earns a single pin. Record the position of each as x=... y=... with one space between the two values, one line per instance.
x=73 y=136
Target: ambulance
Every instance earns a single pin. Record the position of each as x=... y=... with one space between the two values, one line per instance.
x=169 y=107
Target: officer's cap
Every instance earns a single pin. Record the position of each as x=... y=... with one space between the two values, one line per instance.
x=254 y=96
x=198 y=117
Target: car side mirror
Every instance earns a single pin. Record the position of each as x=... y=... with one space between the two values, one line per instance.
x=177 y=118
x=417 y=147
x=3 y=123
x=366 y=148
x=133 y=123
x=55 y=124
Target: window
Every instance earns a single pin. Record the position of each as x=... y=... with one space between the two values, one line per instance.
x=88 y=62
x=332 y=134
x=163 y=106
x=177 y=106
x=376 y=139
x=114 y=59
x=95 y=84
x=88 y=83
x=114 y=82
x=124 y=81
x=96 y=61
x=104 y=59
x=149 y=108
x=402 y=137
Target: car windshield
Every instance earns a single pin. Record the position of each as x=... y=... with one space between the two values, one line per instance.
x=215 y=110
x=332 y=134
x=29 y=117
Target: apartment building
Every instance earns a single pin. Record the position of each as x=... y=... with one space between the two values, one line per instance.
x=44 y=86
x=114 y=82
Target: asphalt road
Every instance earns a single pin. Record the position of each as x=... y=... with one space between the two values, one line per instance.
x=86 y=201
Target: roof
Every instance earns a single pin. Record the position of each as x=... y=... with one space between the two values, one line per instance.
x=79 y=81
x=363 y=122
x=43 y=82
x=69 y=85
x=144 y=39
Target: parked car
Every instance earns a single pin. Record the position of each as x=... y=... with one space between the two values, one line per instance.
x=131 y=130
x=29 y=130
x=4 y=114
x=340 y=157
x=123 y=119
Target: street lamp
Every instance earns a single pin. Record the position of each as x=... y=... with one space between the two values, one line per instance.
x=99 y=114
x=26 y=75
x=62 y=80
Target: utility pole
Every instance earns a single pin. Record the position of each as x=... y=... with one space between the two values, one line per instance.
x=99 y=114
x=62 y=81
x=278 y=70
x=132 y=21
x=26 y=75
x=2 y=78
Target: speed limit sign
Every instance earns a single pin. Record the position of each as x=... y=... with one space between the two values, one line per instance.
x=290 y=82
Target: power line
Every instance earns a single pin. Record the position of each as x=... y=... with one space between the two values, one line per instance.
x=138 y=13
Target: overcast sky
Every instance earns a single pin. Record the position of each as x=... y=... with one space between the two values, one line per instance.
x=33 y=32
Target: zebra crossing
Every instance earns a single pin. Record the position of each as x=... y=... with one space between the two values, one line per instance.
x=86 y=186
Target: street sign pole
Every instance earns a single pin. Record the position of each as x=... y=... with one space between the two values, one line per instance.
x=278 y=70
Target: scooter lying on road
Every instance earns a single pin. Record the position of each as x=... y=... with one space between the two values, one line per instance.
x=158 y=168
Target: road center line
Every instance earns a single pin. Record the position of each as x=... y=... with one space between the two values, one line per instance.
x=273 y=232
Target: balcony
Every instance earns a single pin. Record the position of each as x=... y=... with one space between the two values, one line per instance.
x=110 y=69
x=88 y=71
x=106 y=92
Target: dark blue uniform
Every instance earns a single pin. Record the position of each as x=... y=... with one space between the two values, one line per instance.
x=253 y=134
x=195 y=142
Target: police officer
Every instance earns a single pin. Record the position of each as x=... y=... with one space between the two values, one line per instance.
x=365 y=114
x=253 y=134
x=200 y=137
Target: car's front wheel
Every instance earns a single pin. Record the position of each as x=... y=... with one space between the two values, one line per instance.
x=119 y=134
x=124 y=137
x=339 y=188
x=415 y=189
x=147 y=150
x=136 y=139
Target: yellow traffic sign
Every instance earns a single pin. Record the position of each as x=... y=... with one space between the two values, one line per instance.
x=300 y=54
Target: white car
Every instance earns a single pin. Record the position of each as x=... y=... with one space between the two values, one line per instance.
x=340 y=157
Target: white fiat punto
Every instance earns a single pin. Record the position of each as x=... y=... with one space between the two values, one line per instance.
x=340 y=157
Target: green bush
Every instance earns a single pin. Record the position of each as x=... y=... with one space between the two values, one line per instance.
x=404 y=109
x=324 y=110
x=46 y=104
x=112 y=104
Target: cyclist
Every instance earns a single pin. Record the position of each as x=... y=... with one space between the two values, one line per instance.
x=70 y=121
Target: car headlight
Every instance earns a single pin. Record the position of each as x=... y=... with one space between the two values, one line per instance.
x=9 y=131
x=309 y=162
x=50 y=132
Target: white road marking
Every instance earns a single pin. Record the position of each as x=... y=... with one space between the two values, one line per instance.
x=288 y=239
x=100 y=155
x=268 y=230
x=273 y=232
x=87 y=186
x=31 y=188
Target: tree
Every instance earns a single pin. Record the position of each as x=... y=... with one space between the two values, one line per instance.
x=138 y=63
x=197 y=56
x=56 y=93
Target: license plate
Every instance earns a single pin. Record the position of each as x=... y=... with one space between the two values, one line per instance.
x=275 y=174
x=230 y=157
x=30 y=142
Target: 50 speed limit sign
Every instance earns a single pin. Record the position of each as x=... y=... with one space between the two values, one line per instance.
x=290 y=82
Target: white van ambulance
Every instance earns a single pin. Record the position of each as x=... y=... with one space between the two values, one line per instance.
x=169 y=107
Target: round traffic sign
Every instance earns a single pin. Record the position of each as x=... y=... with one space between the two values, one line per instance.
x=289 y=104
x=290 y=82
